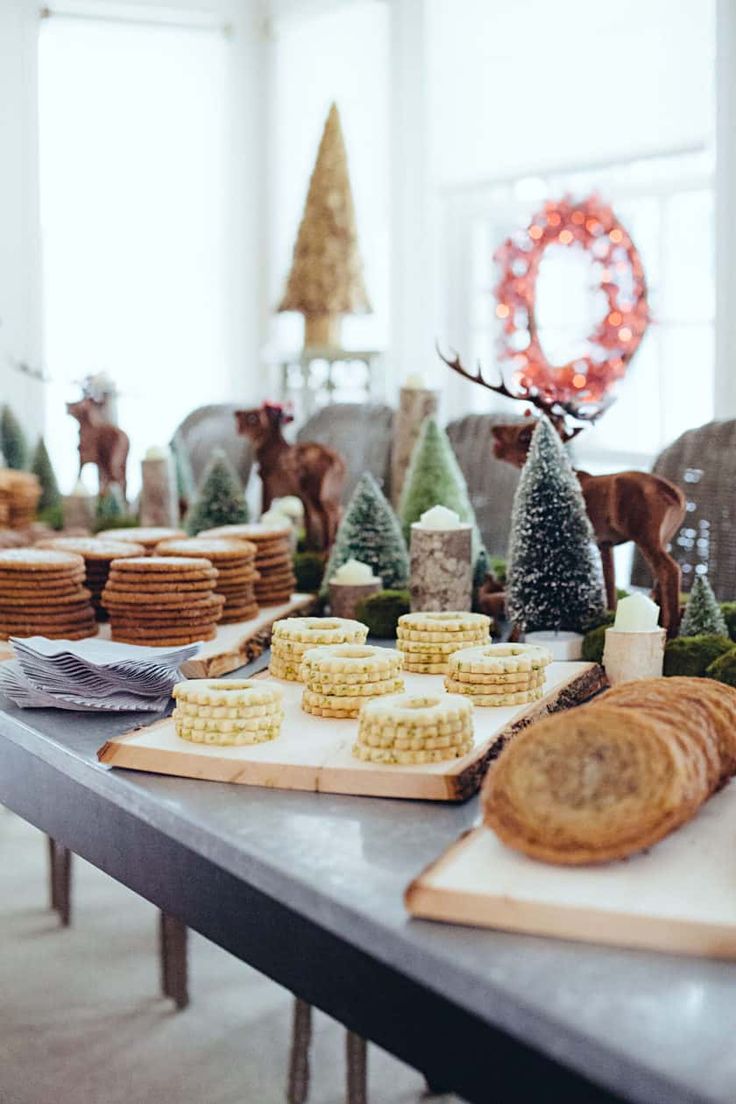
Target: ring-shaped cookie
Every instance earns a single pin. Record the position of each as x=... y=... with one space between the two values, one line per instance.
x=413 y=710
x=445 y=621
x=229 y=692
x=319 y=630
x=491 y=659
x=349 y=659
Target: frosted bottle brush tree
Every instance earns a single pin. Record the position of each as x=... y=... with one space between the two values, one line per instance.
x=370 y=532
x=703 y=615
x=554 y=576
x=220 y=499
x=434 y=478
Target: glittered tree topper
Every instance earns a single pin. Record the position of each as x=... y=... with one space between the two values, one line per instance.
x=326 y=277
x=592 y=226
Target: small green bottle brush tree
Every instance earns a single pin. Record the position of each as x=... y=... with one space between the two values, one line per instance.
x=220 y=499
x=703 y=616
x=370 y=532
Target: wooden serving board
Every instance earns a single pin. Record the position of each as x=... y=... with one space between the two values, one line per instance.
x=315 y=753
x=679 y=897
x=233 y=646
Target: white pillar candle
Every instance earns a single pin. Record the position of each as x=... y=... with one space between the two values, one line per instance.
x=353 y=573
x=637 y=613
x=439 y=517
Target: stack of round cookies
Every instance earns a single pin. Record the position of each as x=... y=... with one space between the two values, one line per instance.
x=274 y=562
x=162 y=600
x=498 y=674
x=428 y=639
x=293 y=636
x=613 y=777
x=340 y=678
x=41 y=594
x=234 y=561
x=149 y=537
x=23 y=492
x=97 y=555
x=410 y=728
x=227 y=712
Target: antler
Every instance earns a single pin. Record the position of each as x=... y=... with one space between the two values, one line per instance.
x=556 y=410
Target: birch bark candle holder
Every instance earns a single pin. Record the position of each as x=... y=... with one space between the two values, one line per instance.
x=441 y=571
x=350 y=584
x=159 y=505
x=78 y=509
x=634 y=646
x=417 y=402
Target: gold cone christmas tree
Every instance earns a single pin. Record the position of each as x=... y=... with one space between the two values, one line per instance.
x=326 y=278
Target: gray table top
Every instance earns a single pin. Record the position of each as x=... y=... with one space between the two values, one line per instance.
x=650 y=1027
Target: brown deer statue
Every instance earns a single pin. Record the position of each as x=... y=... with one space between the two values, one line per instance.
x=100 y=443
x=312 y=472
x=624 y=506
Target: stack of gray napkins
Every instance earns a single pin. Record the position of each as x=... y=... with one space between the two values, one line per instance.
x=91 y=674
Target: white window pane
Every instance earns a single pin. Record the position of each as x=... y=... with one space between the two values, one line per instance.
x=688 y=257
x=687 y=358
x=133 y=124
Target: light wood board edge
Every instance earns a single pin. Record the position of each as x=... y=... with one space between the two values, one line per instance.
x=465 y=776
x=425 y=901
x=244 y=651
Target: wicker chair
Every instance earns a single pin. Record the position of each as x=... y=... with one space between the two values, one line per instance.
x=361 y=433
x=491 y=482
x=703 y=463
x=211 y=427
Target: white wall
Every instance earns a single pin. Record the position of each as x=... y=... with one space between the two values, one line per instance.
x=20 y=330
x=525 y=85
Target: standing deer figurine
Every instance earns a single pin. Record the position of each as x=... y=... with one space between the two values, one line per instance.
x=312 y=472
x=624 y=506
x=100 y=443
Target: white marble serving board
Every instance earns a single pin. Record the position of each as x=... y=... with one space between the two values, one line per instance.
x=680 y=896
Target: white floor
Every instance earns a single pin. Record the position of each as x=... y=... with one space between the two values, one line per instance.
x=81 y=1021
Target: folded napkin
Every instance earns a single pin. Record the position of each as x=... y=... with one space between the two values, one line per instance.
x=95 y=675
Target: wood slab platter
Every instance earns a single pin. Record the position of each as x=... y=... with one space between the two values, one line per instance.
x=315 y=753
x=679 y=897
x=233 y=646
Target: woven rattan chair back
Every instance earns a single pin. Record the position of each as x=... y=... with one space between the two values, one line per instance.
x=361 y=433
x=491 y=482
x=703 y=463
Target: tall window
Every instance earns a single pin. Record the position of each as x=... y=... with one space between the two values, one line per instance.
x=133 y=137
x=531 y=101
x=667 y=205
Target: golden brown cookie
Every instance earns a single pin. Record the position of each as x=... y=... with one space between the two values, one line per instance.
x=589 y=785
x=31 y=560
x=250 y=531
x=157 y=565
x=149 y=537
x=93 y=549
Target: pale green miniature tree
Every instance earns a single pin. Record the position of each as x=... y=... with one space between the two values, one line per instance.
x=703 y=615
x=370 y=532
x=220 y=499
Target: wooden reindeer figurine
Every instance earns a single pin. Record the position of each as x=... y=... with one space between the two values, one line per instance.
x=624 y=506
x=100 y=443
x=312 y=472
